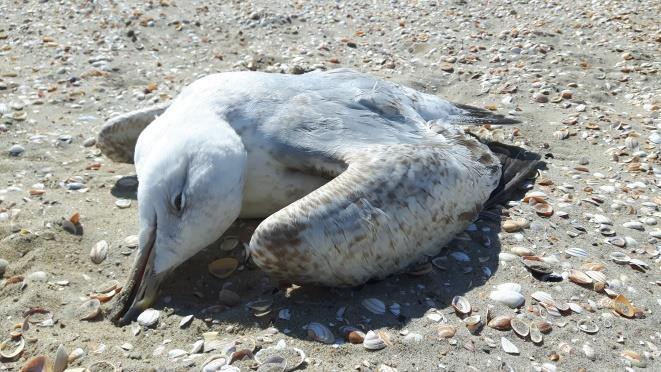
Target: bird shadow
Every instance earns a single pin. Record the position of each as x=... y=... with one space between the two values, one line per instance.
x=429 y=286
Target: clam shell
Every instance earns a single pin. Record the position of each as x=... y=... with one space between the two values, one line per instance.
x=373 y=341
x=374 y=305
x=639 y=264
x=579 y=277
x=99 y=252
x=293 y=357
x=536 y=335
x=541 y=296
x=508 y=346
x=520 y=327
x=353 y=334
x=514 y=225
x=461 y=305
x=616 y=241
x=597 y=276
x=501 y=323
x=123 y=203
x=620 y=258
x=61 y=359
x=507 y=297
x=321 y=333
x=543 y=209
x=623 y=307
x=131 y=241
x=576 y=252
x=10 y=349
x=395 y=309
x=214 y=363
x=229 y=243
x=473 y=323
x=447 y=331
x=516 y=287
x=588 y=326
x=223 y=267
x=89 y=309
x=148 y=317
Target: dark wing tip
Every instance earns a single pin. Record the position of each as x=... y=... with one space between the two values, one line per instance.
x=471 y=115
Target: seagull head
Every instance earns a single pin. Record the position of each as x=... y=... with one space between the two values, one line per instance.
x=191 y=179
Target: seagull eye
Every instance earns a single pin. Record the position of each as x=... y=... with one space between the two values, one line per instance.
x=178 y=202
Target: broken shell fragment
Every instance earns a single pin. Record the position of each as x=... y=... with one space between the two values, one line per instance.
x=579 y=277
x=321 y=333
x=508 y=346
x=89 y=309
x=536 y=335
x=461 y=305
x=373 y=341
x=223 y=267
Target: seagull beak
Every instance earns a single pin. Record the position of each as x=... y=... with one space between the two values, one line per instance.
x=141 y=290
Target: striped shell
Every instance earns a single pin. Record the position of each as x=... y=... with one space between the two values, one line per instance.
x=321 y=333
x=373 y=341
x=374 y=305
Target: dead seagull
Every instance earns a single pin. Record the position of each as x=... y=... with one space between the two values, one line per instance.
x=356 y=177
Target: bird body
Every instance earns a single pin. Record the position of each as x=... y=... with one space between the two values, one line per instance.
x=356 y=177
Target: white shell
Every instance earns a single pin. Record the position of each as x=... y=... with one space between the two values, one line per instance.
x=197 y=347
x=214 y=363
x=321 y=333
x=589 y=352
x=516 y=287
x=620 y=257
x=148 y=317
x=542 y=296
x=123 y=203
x=89 y=309
x=634 y=225
x=373 y=341
x=15 y=352
x=597 y=276
x=262 y=355
x=76 y=354
x=536 y=335
x=229 y=244
x=509 y=298
x=520 y=327
x=99 y=252
x=61 y=359
x=176 y=353
x=374 y=305
x=588 y=326
x=576 y=252
x=131 y=241
x=508 y=346
x=185 y=321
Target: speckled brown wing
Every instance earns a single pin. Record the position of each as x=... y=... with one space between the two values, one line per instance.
x=392 y=204
x=119 y=135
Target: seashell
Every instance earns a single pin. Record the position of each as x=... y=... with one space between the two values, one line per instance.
x=447 y=331
x=106 y=287
x=561 y=134
x=373 y=341
x=460 y=256
x=576 y=252
x=374 y=305
x=473 y=323
x=579 y=277
x=536 y=335
x=564 y=307
x=61 y=359
x=123 y=203
x=593 y=266
x=293 y=357
x=99 y=252
x=635 y=225
x=214 y=363
x=597 y=276
x=260 y=308
x=223 y=267
x=616 y=241
x=76 y=354
x=88 y=309
x=508 y=346
x=634 y=358
x=520 y=327
x=131 y=241
x=606 y=231
x=514 y=225
x=588 y=326
x=507 y=297
x=537 y=196
x=501 y=323
x=544 y=326
x=522 y=251
x=421 y=269
x=176 y=353
x=38 y=364
x=148 y=317
x=240 y=355
x=589 y=351
x=537 y=268
x=620 y=258
x=395 y=309
x=516 y=287
x=353 y=335
x=461 y=305
x=228 y=297
x=197 y=347
x=229 y=243
x=185 y=321
x=101 y=366
x=541 y=296
x=12 y=348
x=575 y=307
x=543 y=209
x=623 y=307
x=321 y=333
x=638 y=264
x=273 y=364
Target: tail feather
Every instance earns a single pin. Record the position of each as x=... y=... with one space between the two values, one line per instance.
x=518 y=165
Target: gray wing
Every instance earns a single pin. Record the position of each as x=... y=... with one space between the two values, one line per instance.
x=393 y=203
